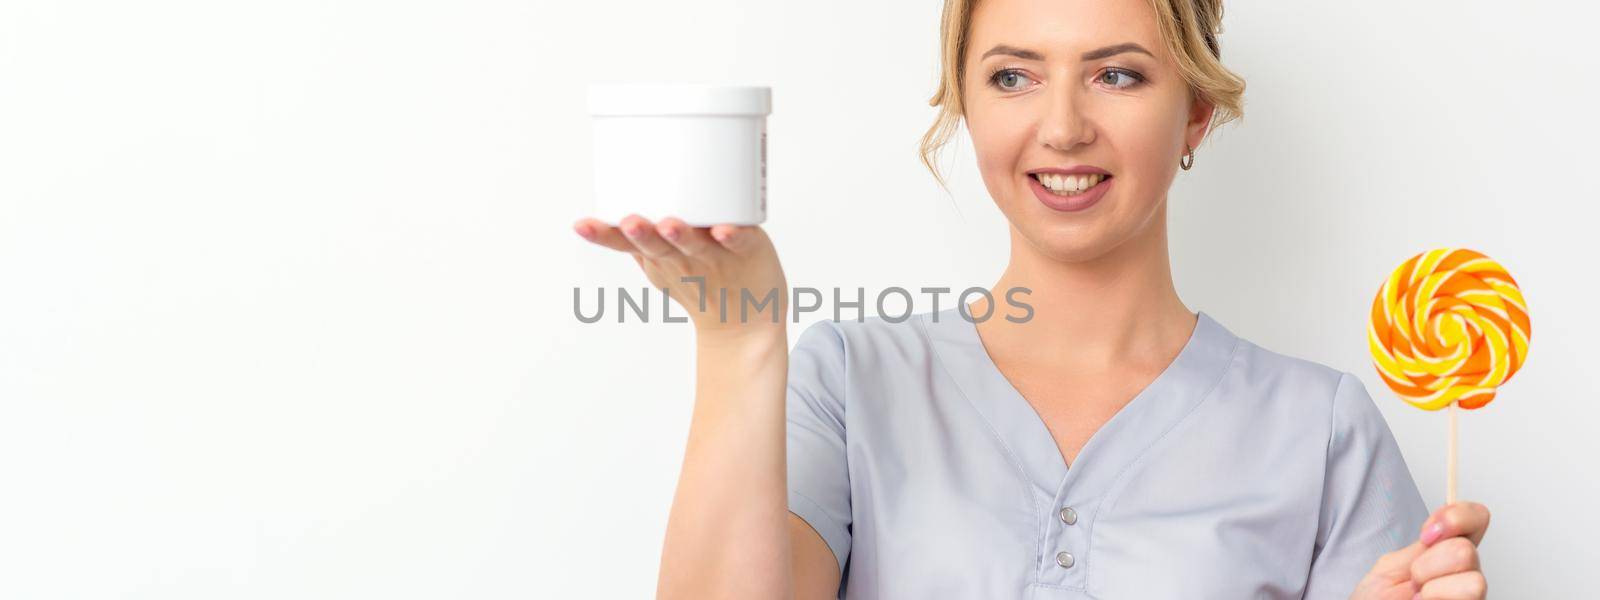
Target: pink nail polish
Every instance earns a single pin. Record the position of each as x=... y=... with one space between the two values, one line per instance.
x=1432 y=533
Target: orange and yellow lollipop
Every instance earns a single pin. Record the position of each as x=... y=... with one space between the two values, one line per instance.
x=1448 y=328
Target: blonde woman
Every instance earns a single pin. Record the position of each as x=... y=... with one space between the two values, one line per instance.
x=1105 y=443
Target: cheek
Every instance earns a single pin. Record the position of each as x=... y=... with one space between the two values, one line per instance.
x=1149 y=153
x=1148 y=146
x=997 y=144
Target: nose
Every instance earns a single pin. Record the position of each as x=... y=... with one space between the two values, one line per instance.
x=1066 y=124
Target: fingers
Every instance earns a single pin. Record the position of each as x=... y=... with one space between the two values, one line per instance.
x=1449 y=569
x=1464 y=519
x=604 y=235
x=1449 y=556
x=691 y=241
x=669 y=238
x=1390 y=576
x=1396 y=566
x=1461 y=586
x=738 y=239
x=644 y=237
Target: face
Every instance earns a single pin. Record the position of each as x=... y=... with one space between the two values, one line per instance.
x=1082 y=94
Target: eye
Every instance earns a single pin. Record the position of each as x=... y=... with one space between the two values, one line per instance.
x=1126 y=78
x=994 y=79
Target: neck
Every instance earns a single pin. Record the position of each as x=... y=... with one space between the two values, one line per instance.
x=1097 y=313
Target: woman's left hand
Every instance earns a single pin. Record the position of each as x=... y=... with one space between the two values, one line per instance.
x=1441 y=565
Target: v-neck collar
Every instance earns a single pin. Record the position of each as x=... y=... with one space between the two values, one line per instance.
x=1121 y=440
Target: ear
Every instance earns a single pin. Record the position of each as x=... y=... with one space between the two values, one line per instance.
x=1199 y=123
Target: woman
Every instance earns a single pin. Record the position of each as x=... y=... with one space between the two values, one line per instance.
x=1112 y=444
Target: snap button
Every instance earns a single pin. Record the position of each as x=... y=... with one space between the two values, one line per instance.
x=1069 y=516
x=1064 y=559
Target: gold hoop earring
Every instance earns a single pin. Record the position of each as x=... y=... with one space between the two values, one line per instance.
x=1188 y=154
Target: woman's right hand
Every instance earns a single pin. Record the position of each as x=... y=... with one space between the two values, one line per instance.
x=737 y=258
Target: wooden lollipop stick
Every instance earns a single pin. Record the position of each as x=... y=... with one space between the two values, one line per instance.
x=1450 y=470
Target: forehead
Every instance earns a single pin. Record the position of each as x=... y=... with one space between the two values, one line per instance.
x=1061 y=29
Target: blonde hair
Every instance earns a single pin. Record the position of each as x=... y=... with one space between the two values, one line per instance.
x=1189 y=28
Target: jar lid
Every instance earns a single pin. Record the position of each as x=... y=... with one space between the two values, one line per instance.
x=618 y=99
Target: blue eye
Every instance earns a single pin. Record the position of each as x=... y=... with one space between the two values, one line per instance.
x=994 y=80
x=1124 y=79
x=1131 y=77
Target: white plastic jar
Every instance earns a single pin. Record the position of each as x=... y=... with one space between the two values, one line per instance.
x=692 y=151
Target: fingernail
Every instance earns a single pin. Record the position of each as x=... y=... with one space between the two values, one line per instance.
x=1432 y=533
x=631 y=231
x=670 y=234
x=585 y=232
x=1416 y=596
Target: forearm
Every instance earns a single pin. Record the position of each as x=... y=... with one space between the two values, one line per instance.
x=727 y=533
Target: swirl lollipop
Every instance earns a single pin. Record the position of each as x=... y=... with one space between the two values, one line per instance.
x=1448 y=327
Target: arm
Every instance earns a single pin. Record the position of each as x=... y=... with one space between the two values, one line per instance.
x=1370 y=503
x=816 y=575
x=729 y=533
x=818 y=463
x=1372 y=519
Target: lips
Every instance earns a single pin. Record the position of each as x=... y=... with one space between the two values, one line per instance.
x=1069 y=203
x=1069 y=184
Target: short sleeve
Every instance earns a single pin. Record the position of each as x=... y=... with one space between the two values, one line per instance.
x=818 y=478
x=1370 y=503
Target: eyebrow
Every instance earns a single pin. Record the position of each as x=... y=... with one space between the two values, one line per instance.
x=1095 y=54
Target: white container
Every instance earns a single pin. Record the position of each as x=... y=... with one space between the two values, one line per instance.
x=696 y=152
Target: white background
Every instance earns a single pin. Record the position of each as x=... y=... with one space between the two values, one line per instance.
x=287 y=286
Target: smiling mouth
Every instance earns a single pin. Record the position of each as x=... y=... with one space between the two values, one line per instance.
x=1069 y=185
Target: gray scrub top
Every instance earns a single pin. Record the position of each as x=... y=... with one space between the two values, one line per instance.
x=1237 y=473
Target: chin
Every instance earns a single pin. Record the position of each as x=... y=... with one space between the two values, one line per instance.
x=1069 y=242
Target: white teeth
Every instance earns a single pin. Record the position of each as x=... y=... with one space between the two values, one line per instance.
x=1070 y=184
